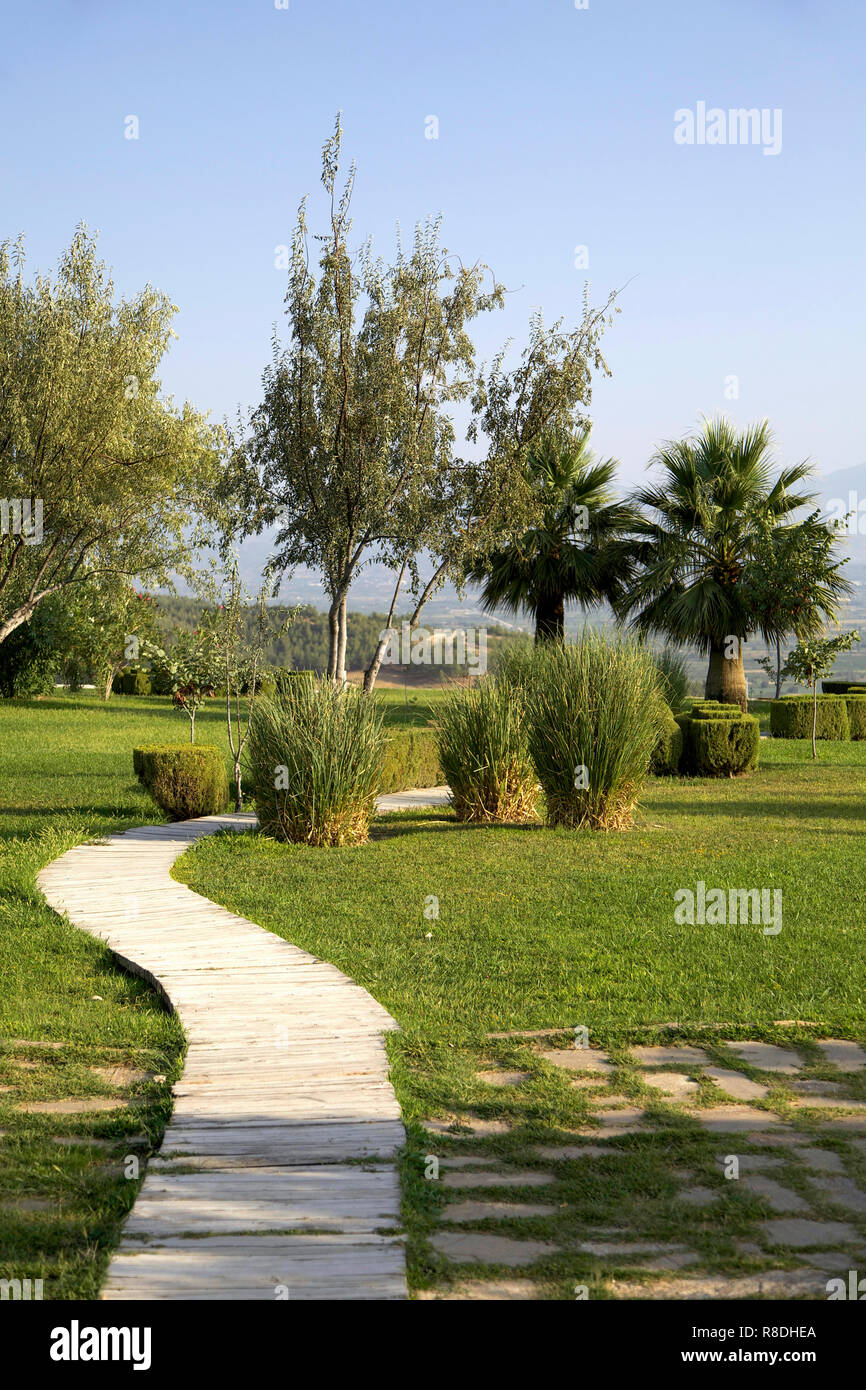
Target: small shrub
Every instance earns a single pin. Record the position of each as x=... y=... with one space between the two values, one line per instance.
x=668 y=751
x=411 y=760
x=723 y=747
x=315 y=761
x=133 y=682
x=856 y=707
x=791 y=717
x=594 y=714
x=483 y=754
x=185 y=780
x=842 y=688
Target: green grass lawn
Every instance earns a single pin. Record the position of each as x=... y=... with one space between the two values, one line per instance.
x=535 y=930
x=541 y=929
x=66 y=776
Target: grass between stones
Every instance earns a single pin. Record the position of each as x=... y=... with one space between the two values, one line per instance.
x=541 y=930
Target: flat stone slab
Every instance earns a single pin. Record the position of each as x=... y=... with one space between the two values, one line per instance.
x=829 y=1103
x=672 y=1083
x=577 y=1059
x=495 y=1211
x=750 y=1163
x=662 y=1263
x=843 y=1192
x=487 y=1290
x=466 y=1247
x=775 y=1284
x=567 y=1152
x=847 y=1056
x=469 y=1125
x=611 y=1248
x=829 y=1260
x=123 y=1076
x=670 y=1056
x=768 y=1057
x=698 y=1196
x=777 y=1197
x=734 y=1119
x=821 y=1160
x=503 y=1078
x=797 y=1231
x=465 y=1161
x=815 y=1088
x=86 y=1106
x=739 y=1087
x=475 y=1177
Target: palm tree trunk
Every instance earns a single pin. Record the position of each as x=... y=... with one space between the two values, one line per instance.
x=550 y=619
x=726 y=679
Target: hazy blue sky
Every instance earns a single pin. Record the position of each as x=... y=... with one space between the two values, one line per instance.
x=556 y=129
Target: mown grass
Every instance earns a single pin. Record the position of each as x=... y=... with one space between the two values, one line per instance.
x=552 y=929
x=65 y=777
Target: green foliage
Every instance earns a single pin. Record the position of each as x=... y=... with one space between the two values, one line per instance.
x=574 y=551
x=184 y=781
x=133 y=682
x=675 y=677
x=665 y=761
x=411 y=760
x=29 y=657
x=594 y=714
x=122 y=475
x=856 y=707
x=315 y=763
x=482 y=750
x=104 y=626
x=189 y=671
x=793 y=715
x=719 y=743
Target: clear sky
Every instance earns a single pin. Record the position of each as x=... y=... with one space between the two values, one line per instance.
x=556 y=130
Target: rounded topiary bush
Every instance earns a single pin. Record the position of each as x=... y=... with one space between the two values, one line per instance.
x=134 y=682
x=185 y=780
x=665 y=761
x=791 y=717
x=723 y=746
x=315 y=757
x=483 y=754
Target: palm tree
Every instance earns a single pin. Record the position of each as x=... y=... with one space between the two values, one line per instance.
x=707 y=514
x=576 y=551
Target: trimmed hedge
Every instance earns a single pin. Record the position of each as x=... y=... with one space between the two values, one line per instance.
x=791 y=717
x=712 y=709
x=411 y=760
x=842 y=688
x=185 y=780
x=136 y=682
x=723 y=746
x=668 y=751
x=856 y=707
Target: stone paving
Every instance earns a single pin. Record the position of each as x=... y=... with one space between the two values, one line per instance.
x=776 y=1155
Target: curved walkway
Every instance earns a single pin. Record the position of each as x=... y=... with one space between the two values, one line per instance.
x=260 y=1190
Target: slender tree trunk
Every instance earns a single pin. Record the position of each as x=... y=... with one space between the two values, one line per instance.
x=192 y=727
x=333 y=638
x=372 y=670
x=109 y=682
x=778 y=668
x=550 y=619
x=726 y=680
x=341 y=646
x=815 y=722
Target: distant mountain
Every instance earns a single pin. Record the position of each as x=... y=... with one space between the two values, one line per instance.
x=843 y=492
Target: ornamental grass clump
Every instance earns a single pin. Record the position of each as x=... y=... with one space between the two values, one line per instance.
x=483 y=754
x=595 y=712
x=315 y=757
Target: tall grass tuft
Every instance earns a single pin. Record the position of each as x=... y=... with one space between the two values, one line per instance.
x=315 y=757
x=675 y=677
x=595 y=712
x=483 y=754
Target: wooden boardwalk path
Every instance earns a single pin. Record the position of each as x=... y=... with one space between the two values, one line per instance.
x=275 y=1178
